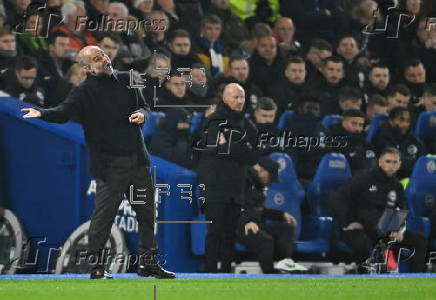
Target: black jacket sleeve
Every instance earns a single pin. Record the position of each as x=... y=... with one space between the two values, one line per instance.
x=67 y=110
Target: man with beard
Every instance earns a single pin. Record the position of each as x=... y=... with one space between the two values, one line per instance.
x=179 y=43
x=227 y=148
x=111 y=114
x=359 y=153
x=267 y=240
x=414 y=74
x=378 y=80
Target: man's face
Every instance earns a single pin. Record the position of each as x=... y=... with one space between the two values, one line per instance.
x=177 y=86
x=98 y=62
x=8 y=42
x=180 y=46
x=60 y=48
x=234 y=97
x=429 y=102
x=379 y=77
x=160 y=69
x=262 y=174
x=109 y=47
x=315 y=56
x=402 y=122
x=333 y=72
x=348 y=104
x=311 y=107
x=284 y=29
x=264 y=116
x=221 y=4
x=348 y=48
x=239 y=70
x=353 y=124
x=296 y=73
x=26 y=78
x=34 y=25
x=198 y=76
x=398 y=100
x=390 y=163
x=78 y=76
x=415 y=74
x=211 y=32
x=267 y=48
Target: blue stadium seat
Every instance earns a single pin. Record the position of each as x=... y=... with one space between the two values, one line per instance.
x=375 y=126
x=284 y=119
x=151 y=126
x=333 y=170
x=329 y=120
x=425 y=127
x=196 y=122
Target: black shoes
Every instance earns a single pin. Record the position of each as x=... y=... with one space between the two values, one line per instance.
x=155 y=271
x=100 y=274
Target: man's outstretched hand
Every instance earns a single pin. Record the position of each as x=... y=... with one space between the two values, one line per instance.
x=31 y=113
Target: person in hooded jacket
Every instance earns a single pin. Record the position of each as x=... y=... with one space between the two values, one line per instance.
x=359 y=153
x=172 y=141
x=396 y=133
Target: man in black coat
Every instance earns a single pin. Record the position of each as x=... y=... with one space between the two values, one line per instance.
x=111 y=114
x=227 y=148
x=360 y=202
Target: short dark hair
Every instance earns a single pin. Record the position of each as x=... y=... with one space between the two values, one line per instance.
x=353 y=113
x=25 y=63
x=321 y=44
x=198 y=65
x=54 y=35
x=349 y=93
x=376 y=99
x=430 y=89
x=389 y=150
x=110 y=35
x=266 y=103
x=377 y=65
x=177 y=34
x=413 y=62
x=210 y=19
x=237 y=58
x=294 y=60
x=334 y=59
x=397 y=111
x=398 y=88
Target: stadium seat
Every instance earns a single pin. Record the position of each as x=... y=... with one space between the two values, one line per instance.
x=333 y=170
x=375 y=126
x=152 y=124
x=284 y=119
x=425 y=127
x=329 y=120
x=196 y=122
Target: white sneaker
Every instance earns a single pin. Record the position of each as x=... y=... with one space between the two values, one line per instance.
x=288 y=265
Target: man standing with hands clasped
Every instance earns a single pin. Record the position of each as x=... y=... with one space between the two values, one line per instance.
x=111 y=114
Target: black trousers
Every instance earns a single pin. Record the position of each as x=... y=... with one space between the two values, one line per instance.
x=221 y=235
x=272 y=241
x=361 y=244
x=120 y=173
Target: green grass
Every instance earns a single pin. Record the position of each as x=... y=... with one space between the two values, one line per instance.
x=223 y=289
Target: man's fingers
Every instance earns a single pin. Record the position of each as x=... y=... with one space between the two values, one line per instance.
x=25 y=109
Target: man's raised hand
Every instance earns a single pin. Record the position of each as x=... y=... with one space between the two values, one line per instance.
x=31 y=113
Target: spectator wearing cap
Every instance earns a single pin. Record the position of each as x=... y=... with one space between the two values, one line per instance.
x=397 y=133
x=267 y=240
x=359 y=153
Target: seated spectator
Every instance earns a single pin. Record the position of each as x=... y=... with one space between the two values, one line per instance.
x=259 y=30
x=54 y=64
x=350 y=98
x=75 y=76
x=142 y=8
x=359 y=203
x=292 y=86
x=348 y=50
x=284 y=32
x=378 y=80
x=155 y=39
x=424 y=47
x=268 y=240
x=318 y=51
x=179 y=43
x=305 y=124
x=96 y=9
x=31 y=39
x=266 y=65
x=8 y=48
x=169 y=8
x=397 y=133
x=80 y=36
x=172 y=141
x=110 y=42
x=240 y=73
x=198 y=90
x=359 y=153
x=264 y=118
x=173 y=93
x=234 y=30
x=159 y=66
x=398 y=95
x=376 y=105
x=414 y=73
x=20 y=82
x=209 y=49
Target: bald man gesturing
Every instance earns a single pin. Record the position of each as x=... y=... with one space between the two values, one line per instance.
x=111 y=115
x=227 y=149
